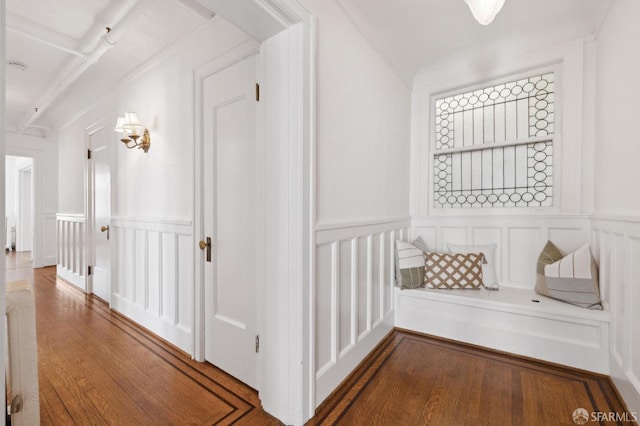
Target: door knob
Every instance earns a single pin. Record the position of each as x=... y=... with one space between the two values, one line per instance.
x=105 y=228
x=206 y=245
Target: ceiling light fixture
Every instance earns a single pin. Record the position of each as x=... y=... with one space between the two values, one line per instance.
x=130 y=126
x=484 y=10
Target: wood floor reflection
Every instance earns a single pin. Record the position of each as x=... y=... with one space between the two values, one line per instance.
x=413 y=379
x=97 y=367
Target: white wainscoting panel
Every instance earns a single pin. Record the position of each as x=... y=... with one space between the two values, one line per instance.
x=152 y=276
x=49 y=240
x=354 y=283
x=615 y=242
x=519 y=239
x=71 y=262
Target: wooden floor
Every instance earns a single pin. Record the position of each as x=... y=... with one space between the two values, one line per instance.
x=96 y=367
x=413 y=379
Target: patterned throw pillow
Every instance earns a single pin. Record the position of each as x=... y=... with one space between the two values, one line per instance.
x=572 y=278
x=409 y=264
x=453 y=270
x=489 y=276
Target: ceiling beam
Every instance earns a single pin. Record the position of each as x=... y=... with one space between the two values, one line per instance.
x=129 y=13
x=49 y=43
x=31 y=30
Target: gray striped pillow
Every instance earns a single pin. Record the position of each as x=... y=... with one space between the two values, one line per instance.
x=572 y=278
x=410 y=264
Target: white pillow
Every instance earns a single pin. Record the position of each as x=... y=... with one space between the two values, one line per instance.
x=489 y=276
x=573 y=265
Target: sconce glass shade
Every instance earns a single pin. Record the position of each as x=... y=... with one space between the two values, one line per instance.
x=131 y=123
x=120 y=125
x=485 y=10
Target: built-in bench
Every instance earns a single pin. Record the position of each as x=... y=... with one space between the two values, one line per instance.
x=511 y=319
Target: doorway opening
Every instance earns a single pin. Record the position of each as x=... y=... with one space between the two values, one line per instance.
x=19 y=214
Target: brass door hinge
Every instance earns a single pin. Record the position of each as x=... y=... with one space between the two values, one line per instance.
x=257 y=92
x=257 y=343
x=89 y=270
x=89 y=154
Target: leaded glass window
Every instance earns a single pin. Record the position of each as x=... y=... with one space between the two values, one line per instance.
x=494 y=145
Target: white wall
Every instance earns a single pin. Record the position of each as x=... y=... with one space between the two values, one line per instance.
x=618 y=89
x=362 y=195
x=362 y=125
x=152 y=193
x=3 y=322
x=159 y=183
x=43 y=152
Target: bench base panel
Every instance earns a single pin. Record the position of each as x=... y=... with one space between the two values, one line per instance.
x=576 y=339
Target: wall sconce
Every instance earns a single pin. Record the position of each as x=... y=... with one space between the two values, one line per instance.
x=130 y=126
x=485 y=10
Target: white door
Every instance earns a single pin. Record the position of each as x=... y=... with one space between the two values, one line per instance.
x=101 y=213
x=230 y=211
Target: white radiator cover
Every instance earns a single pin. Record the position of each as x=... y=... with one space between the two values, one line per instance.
x=23 y=351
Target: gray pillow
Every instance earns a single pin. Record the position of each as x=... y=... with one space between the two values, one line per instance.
x=572 y=278
x=410 y=263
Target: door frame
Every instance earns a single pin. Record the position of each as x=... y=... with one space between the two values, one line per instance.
x=39 y=216
x=89 y=231
x=20 y=217
x=294 y=401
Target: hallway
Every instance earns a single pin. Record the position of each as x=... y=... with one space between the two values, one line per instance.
x=96 y=367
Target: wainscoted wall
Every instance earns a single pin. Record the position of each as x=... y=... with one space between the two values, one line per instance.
x=152 y=276
x=72 y=264
x=615 y=242
x=353 y=295
x=518 y=239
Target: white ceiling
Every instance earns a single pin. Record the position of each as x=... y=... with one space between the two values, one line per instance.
x=50 y=37
x=408 y=34
x=413 y=34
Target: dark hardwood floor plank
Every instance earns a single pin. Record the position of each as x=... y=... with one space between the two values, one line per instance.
x=413 y=379
x=97 y=367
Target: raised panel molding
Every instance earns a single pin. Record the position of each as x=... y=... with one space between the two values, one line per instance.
x=519 y=239
x=615 y=243
x=152 y=276
x=354 y=282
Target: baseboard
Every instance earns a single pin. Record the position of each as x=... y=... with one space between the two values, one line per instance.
x=72 y=278
x=628 y=392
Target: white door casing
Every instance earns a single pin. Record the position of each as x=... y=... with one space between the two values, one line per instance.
x=100 y=212
x=24 y=237
x=231 y=218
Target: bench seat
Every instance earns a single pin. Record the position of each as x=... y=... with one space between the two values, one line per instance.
x=510 y=320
